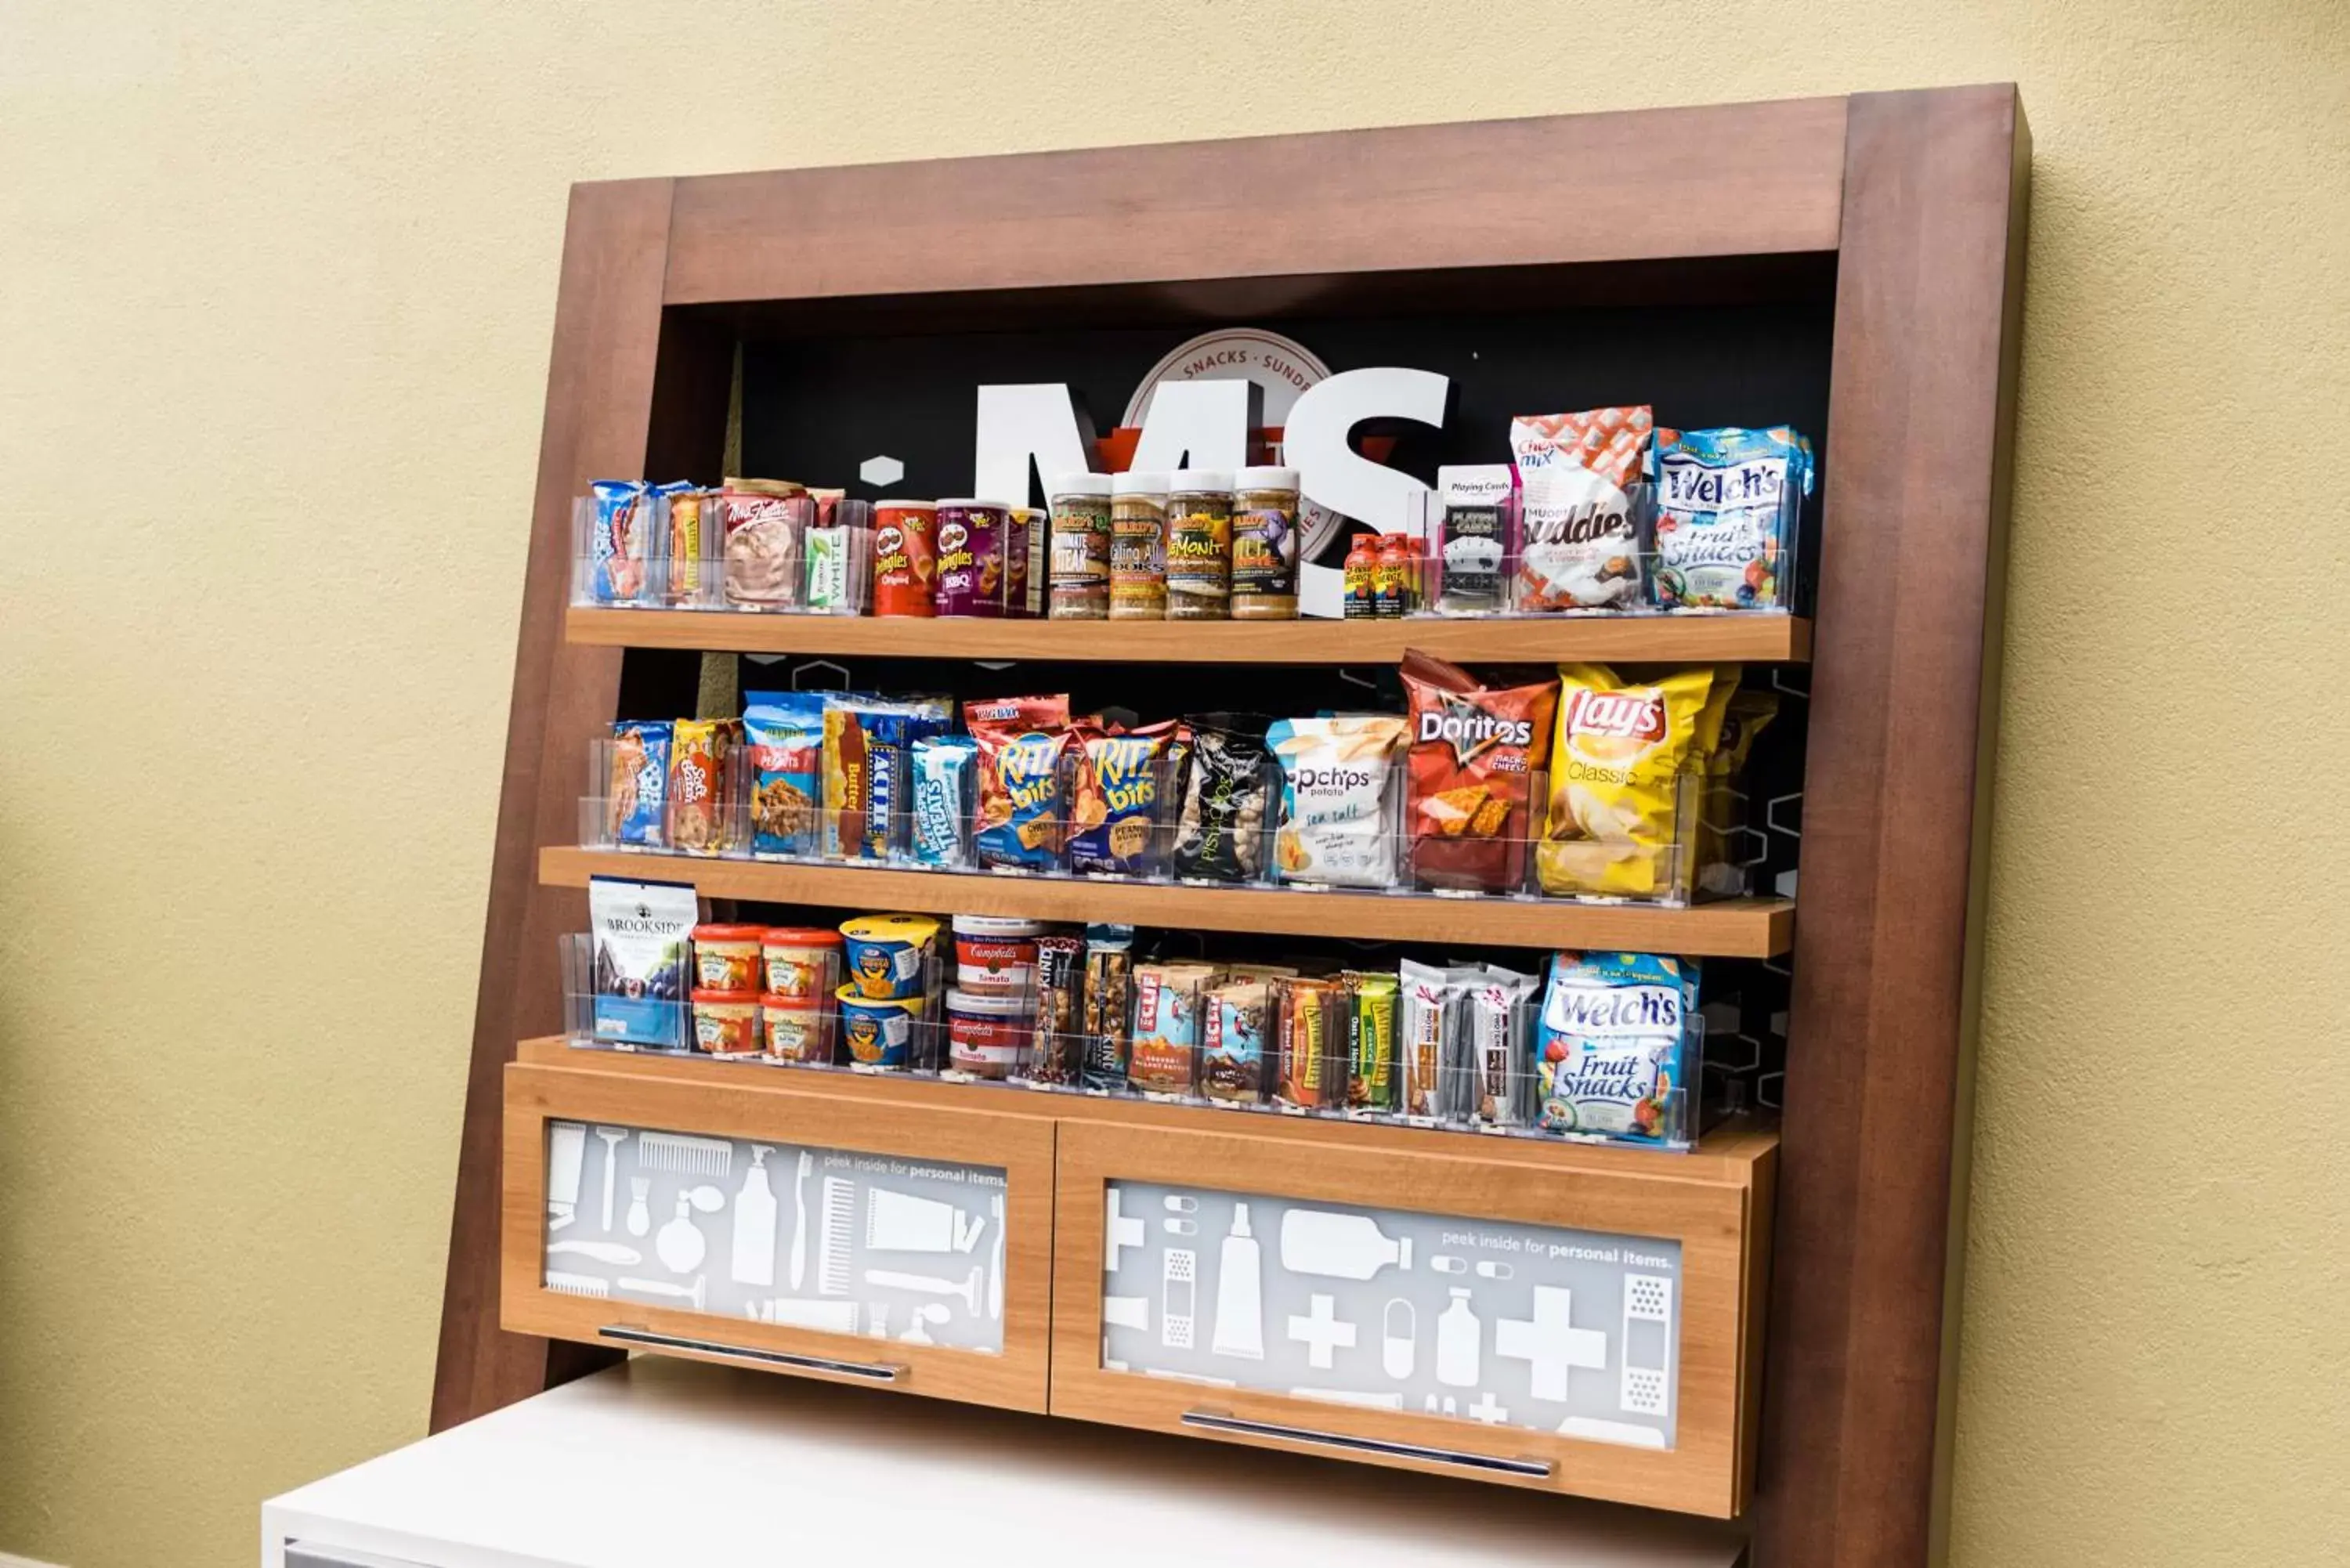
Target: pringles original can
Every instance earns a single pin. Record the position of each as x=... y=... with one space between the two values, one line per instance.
x=971 y=536
x=905 y=557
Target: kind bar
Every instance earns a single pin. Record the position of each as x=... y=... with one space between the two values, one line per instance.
x=1337 y=782
x=1618 y=1061
x=1021 y=812
x=1500 y=1017
x=1374 y=1074
x=1727 y=504
x=702 y=754
x=1615 y=822
x=785 y=732
x=1477 y=541
x=1432 y=1038
x=636 y=798
x=1115 y=803
x=1109 y=969
x=1580 y=543
x=1313 y=1068
x=1219 y=833
x=1167 y=1023
x=1057 y=1057
x=1474 y=752
x=1233 y=1056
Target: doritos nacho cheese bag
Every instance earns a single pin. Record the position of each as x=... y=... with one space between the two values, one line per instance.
x=1474 y=752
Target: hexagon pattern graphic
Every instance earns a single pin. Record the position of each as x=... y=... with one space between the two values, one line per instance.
x=880 y=471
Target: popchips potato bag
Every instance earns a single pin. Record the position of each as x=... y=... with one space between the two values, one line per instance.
x=1614 y=823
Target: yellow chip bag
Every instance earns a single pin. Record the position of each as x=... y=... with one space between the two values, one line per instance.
x=1614 y=827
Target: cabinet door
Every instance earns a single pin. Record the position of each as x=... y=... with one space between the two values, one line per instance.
x=897 y=1246
x=1579 y=1321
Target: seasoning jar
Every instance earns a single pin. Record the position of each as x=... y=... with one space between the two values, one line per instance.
x=1264 y=544
x=1198 y=545
x=1137 y=546
x=1360 y=578
x=972 y=537
x=905 y=557
x=1080 y=549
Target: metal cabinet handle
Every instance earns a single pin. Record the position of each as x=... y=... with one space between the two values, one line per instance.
x=1217 y=1421
x=873 y=1371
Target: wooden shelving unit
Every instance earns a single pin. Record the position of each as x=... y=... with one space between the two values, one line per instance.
x=1662 y=639
x=1733 y=927
x=1875 y=244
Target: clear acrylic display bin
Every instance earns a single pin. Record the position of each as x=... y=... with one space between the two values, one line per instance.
x=1456 y=1047
x=697 y=550
x=1668 y=570
x=1703 y=848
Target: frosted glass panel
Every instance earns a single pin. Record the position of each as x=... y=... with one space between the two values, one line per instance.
x=1520 y=1326
x=884 y=1247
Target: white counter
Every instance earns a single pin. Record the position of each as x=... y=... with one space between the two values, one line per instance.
x=672 y=1464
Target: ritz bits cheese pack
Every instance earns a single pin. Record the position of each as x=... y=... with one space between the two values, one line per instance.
x=1475 y=751
x=1615 y=828
x=1021 y=816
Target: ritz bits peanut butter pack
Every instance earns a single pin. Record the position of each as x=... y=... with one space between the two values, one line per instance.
x=1475 y=750
x=1615 y=828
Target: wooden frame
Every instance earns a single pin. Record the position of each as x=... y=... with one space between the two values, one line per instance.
x=1918 y=198
x=1022 y=1145
x=1712 y=1209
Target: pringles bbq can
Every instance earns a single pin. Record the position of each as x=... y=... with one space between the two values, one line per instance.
x=905 y=557
x=971 y=538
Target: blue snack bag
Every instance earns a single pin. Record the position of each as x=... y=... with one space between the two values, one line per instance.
x=637 y=796
x=1727 y=504
x=784 y=732
x=1022 y=818
x=1615 y=1059
x=618 y=542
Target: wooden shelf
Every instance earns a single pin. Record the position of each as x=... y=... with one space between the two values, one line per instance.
x=1734 y=927
x=1662 y=639
x=1722 y=1155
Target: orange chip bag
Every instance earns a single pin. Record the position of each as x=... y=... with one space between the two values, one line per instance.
x=1615 y=826
x=1474 y=752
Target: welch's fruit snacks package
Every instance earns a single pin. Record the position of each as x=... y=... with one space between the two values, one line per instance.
x=1727 y=503
x=1616 y=1052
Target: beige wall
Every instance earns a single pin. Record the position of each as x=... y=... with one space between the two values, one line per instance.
x=276 y=284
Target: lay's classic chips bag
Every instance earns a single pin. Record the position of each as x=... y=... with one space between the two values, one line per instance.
x=1614 y=827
